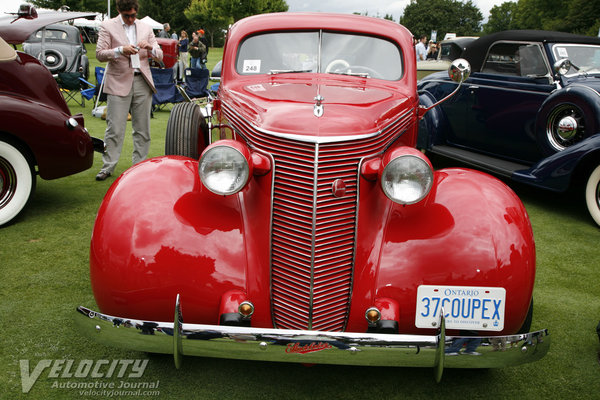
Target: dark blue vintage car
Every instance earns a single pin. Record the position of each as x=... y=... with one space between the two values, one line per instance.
x=530 y=111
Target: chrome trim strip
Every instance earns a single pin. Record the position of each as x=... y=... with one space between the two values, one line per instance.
x=305 y=346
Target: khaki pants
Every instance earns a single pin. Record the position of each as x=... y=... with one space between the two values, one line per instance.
x=138 y=102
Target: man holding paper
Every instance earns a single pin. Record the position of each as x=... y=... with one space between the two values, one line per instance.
x=127 y=44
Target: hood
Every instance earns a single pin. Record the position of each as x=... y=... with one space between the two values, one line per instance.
x=289 y=106
x=15 y=29
x=591 y=81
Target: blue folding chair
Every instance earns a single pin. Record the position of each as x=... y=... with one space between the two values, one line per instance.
x=71 y=85
x=99 y=95
x=196 y=82
x=166 y=90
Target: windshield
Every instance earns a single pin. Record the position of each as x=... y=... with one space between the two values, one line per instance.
x=583 y=56
x=335 y=53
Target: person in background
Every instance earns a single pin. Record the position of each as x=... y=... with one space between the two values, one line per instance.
x=204 y=55
x=184 y=56
x=432 y=51
x=126 y=44
x=196 y=50
x=420 y=49
x=165 y=32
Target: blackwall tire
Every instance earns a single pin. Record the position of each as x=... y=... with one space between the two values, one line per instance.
x=550 y=138
x=187 y=131
x=592 y=194
x=17 y=182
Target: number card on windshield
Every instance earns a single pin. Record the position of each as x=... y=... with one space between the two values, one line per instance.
x=251 y=67
x=465 y=307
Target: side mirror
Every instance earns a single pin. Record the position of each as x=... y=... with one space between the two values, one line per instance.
x=562 y=66
x=460 y=70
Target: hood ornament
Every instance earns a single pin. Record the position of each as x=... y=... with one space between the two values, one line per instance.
x=318 y=109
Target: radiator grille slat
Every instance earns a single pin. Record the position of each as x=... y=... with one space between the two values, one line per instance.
x=313 y=232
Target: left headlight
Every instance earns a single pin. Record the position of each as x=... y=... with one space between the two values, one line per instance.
x=224 y=169
x=407 y=179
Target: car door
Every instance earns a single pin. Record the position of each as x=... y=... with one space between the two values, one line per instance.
x=499 y=103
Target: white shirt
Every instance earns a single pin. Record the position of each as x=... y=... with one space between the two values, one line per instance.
x=421 y=51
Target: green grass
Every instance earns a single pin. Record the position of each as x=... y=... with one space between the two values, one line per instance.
x=44 y=275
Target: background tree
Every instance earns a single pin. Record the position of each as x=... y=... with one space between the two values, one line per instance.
x=501 y=18
x=578 y=16
x=75 y=5
x=443 y=16
x=215 y=16
x=171 y=11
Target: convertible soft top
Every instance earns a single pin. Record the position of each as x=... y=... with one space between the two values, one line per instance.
x=476 y=51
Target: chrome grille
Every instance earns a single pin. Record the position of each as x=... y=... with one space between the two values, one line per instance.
x=313 y=232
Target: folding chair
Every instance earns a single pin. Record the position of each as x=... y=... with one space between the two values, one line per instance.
x=166 y=91
x=99 y=95
x=196 y=82
x=71 y=85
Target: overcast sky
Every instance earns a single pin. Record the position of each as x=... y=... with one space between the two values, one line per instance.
x=372 y=7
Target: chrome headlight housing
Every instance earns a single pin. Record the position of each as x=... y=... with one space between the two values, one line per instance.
x=224 y=169
x=407 y=179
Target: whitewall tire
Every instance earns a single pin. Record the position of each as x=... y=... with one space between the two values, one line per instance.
x=17 y=182
x=592 y=194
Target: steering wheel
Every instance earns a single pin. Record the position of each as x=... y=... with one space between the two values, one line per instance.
x=338 y=66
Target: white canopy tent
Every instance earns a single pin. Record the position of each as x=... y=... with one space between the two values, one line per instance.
x=149 y=21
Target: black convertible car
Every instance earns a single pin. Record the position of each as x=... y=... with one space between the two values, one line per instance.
x=530 y=111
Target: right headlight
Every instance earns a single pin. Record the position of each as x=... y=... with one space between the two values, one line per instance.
x=407 y=179
x=224 y=168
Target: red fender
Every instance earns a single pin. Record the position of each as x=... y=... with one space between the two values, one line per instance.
x=472 y=230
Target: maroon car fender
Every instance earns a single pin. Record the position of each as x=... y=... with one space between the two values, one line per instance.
x=160 y=233
x=471 y=230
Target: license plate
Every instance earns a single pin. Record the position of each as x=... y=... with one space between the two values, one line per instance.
x=465 y=307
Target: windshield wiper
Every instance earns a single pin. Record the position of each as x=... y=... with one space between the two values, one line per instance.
x=288 y=71
x=361 y=74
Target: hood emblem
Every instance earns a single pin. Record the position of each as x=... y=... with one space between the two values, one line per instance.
x=318 y=109
x=338 y=188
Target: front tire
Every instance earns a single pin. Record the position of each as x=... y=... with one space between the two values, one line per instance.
x=592 y=194
x=17 y=182
x=187 y=131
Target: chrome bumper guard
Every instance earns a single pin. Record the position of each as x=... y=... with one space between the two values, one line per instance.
x=314 y=347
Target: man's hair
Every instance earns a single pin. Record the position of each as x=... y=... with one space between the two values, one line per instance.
x=126 y=5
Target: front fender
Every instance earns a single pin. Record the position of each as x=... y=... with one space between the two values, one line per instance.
x=160 y=233
x=472 y=230
x=557 y=171
x=431 y=125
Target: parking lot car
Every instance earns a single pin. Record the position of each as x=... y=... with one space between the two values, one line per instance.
x=450 y=50
x=60 y=48
x=299 y=223
x=530 y=111
x=38 y=136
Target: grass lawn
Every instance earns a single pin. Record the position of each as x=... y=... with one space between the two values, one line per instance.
x=44 y=275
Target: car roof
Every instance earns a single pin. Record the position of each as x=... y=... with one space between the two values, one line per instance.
x=476 y=51
x=16 y=30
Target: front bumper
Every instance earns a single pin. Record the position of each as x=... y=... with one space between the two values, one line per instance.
x=318 y=347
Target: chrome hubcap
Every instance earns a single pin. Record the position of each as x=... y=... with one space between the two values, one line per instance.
x=565 y=126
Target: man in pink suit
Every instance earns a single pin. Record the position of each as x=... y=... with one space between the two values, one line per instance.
x=126 y=44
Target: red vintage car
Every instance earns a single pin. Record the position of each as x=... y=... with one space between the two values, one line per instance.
x=38 y=133
x=312 y=231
